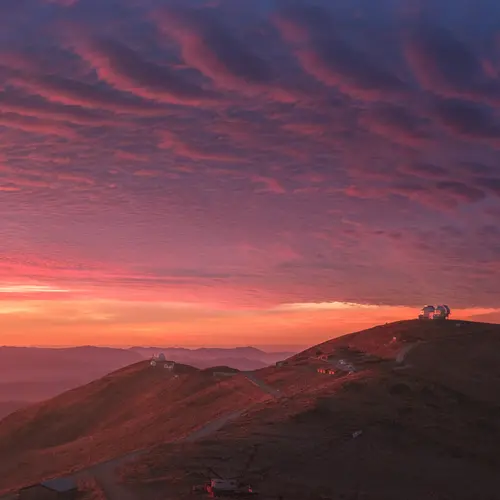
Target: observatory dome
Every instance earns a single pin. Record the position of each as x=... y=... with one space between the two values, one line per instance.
x=442 y=312
x=427 y=312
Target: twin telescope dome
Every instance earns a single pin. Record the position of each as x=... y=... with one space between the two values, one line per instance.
x=441 y=311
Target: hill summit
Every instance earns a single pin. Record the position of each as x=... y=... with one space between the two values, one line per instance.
x=420 y=397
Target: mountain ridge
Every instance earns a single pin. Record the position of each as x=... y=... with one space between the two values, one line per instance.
x=34 y=374
x=412 y=407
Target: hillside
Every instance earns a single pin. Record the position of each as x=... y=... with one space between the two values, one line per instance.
x=33 y=374
x=429 y=429
x=130 y=409
x=425 y=395
x=241 y=358
x=7 y=407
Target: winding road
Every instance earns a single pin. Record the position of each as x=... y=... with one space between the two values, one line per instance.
x=275 y=393
x=105 y=472
x=401 y=356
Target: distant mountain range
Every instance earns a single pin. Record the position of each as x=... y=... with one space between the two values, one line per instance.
x=31 y=374
x=242 y=358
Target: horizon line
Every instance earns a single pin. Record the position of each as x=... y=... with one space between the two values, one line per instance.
x=272 y=347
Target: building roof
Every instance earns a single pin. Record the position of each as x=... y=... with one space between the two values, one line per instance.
x=60 y=484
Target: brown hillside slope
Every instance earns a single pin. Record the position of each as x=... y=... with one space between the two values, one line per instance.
x=428 y=430
x=386 y=340
x=465 y=357
x=8 y=407
x=130 y=409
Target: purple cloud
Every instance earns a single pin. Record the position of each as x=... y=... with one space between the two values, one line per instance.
x=250 y=153
x=467 y=119
x=79 y=93
x=446 y=65
x=123 y=68
x=333 y=60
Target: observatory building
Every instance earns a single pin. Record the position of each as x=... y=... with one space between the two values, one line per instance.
x=427 y=312
x=161 y=361
x=439 y=312
x=442 y=312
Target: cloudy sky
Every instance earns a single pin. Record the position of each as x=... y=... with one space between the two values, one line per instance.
x=227 y=172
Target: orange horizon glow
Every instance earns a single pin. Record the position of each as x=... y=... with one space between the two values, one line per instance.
x=54 y=321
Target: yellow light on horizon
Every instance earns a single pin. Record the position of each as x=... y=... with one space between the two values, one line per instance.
x=314 y=306
x=16 y=288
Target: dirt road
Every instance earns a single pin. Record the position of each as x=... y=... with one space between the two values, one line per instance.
x=401 y=356
x=104 y=472
x=113 y=489
x=212 y=426
x=263 y=386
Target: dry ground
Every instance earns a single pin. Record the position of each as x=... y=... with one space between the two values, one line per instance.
x=430 y=430
x=90 y=490
x=131 y=409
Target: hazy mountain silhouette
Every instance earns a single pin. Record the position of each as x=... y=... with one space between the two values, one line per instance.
x=31 y=374
x=242 y=358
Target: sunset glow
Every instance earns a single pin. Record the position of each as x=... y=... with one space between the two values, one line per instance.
x=233 y=173
x=124 y=323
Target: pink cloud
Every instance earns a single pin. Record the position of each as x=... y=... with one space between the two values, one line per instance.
x=192 y=151
x=74 y=178
x=27 y=124
x=77 y=93
x=126 y=70
x=209 y=47
x=130 y=156
x=38 y=108
x=444 y=64
x=397 y=124
x=147 y=173
x=141 y=160
x=270 y=185
x=334 y=62
x=64 y=3
x=469 y=121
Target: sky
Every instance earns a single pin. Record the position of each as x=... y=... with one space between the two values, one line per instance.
x=226 y=172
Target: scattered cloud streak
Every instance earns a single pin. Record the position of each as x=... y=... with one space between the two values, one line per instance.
x=125 y=69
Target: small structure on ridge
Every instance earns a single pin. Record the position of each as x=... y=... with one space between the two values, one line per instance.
x=441 y=311
x=161 y=361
